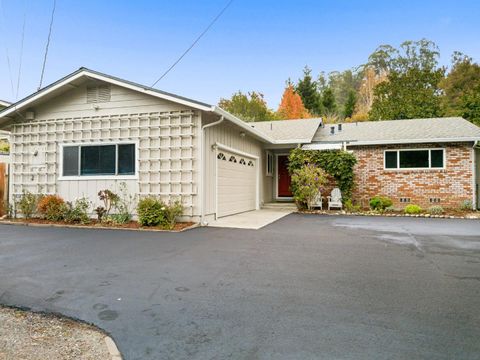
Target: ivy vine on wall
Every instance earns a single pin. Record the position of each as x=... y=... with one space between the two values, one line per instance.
x=337 y=163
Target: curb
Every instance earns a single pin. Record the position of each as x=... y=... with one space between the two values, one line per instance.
x=112 y=348
x=17 y=223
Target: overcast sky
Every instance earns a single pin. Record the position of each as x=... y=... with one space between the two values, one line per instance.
x=255 y=45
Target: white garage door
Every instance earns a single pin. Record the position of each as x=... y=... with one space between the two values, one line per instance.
x=237 y=183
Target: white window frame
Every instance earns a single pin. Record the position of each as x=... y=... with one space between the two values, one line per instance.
x=398 y=168
x=99 y=177
x=269 y=160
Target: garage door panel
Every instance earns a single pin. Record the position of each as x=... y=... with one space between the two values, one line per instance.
x=237 y=184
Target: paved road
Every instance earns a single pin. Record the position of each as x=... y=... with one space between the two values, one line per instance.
x=305 y=287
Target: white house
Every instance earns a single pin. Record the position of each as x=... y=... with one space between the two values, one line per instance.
x=90 y=131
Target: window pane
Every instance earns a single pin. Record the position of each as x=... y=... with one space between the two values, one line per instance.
x=390 y=159
x=437 y=158
x=414 y=159
x=98 y=160
x=126 y=159
x=70 y=161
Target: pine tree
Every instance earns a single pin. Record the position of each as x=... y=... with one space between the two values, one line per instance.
x=308 y=91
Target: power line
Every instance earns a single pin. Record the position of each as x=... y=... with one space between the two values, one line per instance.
x=194 y=43
x=21 y=51
x=48 y=43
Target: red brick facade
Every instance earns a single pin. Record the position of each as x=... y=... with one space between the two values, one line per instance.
x=451 y=185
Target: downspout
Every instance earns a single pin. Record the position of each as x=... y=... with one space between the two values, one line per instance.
x=474 y=168
x=203 y=186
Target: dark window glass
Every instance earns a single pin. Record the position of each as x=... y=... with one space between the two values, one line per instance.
x=70 y=161
x=98 y=160
x=391 y=159
x=126 y=159
x=414 y=159
x=436 y=158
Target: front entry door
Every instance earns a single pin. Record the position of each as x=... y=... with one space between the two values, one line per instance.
x=284 y=179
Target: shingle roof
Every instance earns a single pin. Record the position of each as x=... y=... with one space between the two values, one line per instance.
x=401 y=131
x=289 y=131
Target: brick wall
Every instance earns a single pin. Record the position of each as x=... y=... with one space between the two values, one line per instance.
x=452 y=185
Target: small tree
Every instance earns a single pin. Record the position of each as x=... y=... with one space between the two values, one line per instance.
x=350 y=104
x=307 y=183
x=291 y=106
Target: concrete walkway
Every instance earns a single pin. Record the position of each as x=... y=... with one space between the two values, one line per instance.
x=251 y=219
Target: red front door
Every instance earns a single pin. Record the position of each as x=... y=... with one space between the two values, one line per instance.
x=284 y=179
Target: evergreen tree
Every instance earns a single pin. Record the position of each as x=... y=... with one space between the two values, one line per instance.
x=350 y=104
x=328 y=101
x=307 y=89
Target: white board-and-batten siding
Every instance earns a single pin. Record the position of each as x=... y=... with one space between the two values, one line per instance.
x=229 y=135
x=165 y=134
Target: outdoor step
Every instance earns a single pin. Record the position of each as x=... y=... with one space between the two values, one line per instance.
x=280 y=205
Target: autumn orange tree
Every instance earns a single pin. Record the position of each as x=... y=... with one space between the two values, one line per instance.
x=291 y=106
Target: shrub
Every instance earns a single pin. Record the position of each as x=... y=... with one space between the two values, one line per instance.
x=466 y=205
x=78 y=211
x=412 y=209
x=435 y=210
x=380 y=203
x=123 y=205
x=172 y=211
x=150 y=212
x=109 y=199
x=306 y=184
x=338 y=164
x=27 y=204
x=153 y=212
x=51 y=207
x=350 y=207
x=391 y=209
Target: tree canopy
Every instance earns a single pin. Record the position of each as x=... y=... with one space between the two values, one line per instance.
x=248 y=107
x=291 y=106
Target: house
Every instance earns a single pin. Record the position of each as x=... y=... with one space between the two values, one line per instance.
x=4 y=104
x=90 y=131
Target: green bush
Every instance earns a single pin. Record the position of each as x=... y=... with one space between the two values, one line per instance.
x=466 y=205
x=380 y=203
x=436 y=210
x=412 y=209
x=27 y=204
x=150 y=212
x=172 y=211
x=153 y=212
x=350 y=207
x=77 y=212
x=124 y=205
x=336 y=163
x=51 y=207
x=307 y=183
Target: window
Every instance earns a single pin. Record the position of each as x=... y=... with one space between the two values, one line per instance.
x=242 y=162
x=221 y=156
x=415 y=159
x=97 y=160
x=233 y=159
x=269 y=169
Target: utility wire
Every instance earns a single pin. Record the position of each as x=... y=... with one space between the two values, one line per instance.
x=48 y=43
x=21 y=51
x=194 y=43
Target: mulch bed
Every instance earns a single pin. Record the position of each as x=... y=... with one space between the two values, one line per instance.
x=449 y=214
x=133 y=225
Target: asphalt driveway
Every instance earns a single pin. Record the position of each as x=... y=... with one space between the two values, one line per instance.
x=304 y=287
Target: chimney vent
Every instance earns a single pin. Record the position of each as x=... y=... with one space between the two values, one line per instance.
x=332 y=130
x=339 y=127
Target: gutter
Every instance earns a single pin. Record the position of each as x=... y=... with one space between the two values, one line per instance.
x=202 y=169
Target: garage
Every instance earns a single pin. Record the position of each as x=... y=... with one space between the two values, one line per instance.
x=236 y=183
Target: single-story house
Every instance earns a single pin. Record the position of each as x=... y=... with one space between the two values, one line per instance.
x=90 y=131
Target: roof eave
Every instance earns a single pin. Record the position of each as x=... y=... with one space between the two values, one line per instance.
x=410 y=141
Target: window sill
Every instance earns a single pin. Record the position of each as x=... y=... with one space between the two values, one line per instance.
x=98 y=177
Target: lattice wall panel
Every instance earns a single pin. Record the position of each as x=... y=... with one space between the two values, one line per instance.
x=166 y=161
